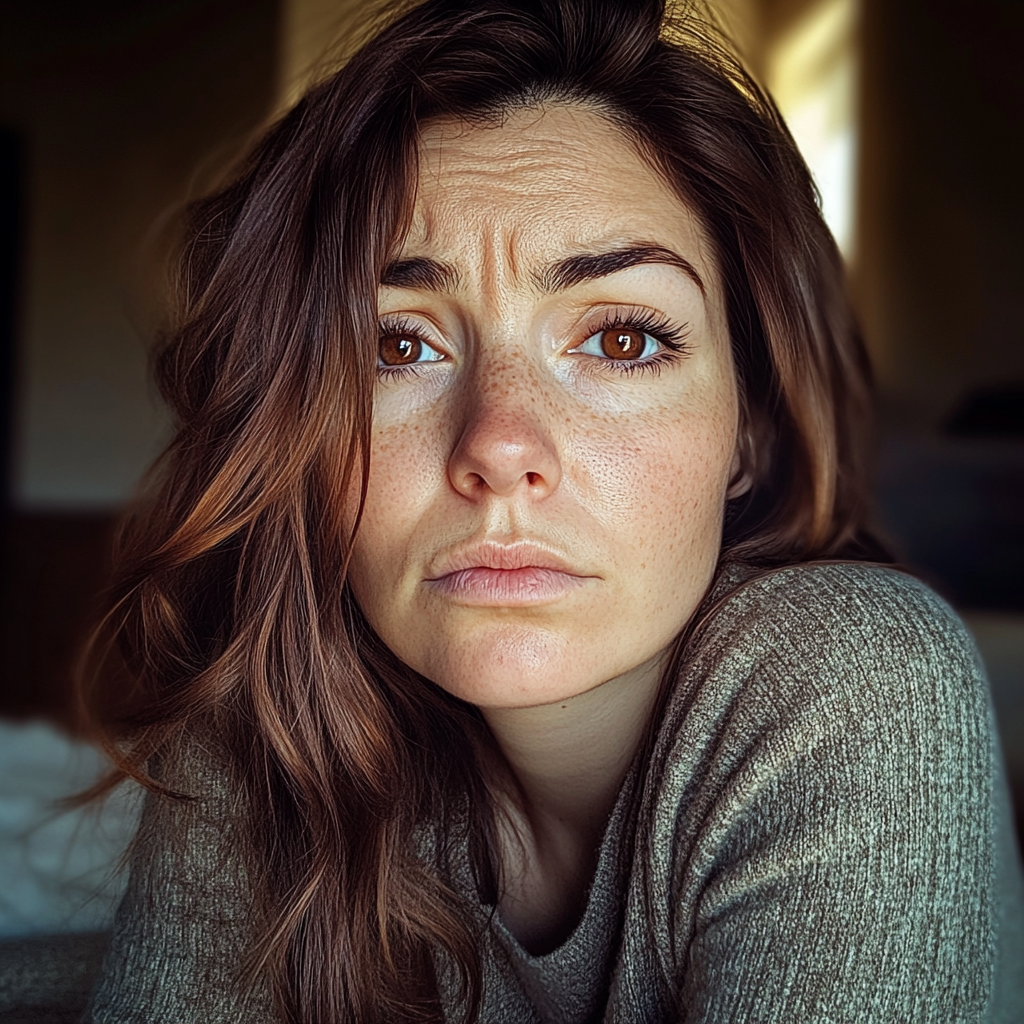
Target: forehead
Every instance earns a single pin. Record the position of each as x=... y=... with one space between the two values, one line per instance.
x=544 y=181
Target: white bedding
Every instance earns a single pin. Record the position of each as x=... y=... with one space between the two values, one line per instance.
x=58 y=870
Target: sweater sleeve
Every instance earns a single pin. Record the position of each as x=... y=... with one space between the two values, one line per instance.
x=183 y=926
x=844 y=854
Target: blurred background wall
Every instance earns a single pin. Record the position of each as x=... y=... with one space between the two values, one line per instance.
x=909 y=111
x=109 y=110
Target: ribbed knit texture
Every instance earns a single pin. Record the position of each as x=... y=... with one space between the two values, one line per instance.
x=821 y=834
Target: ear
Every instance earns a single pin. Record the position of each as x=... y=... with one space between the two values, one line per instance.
x=741 y=478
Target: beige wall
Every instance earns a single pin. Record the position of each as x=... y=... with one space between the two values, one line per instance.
x=938 y=262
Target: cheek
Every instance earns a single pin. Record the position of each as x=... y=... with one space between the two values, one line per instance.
x=657 y=482
x=400 y=469
x=404 y=462
x=658 y=490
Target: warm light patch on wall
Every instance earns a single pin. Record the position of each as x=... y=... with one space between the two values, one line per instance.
x=311 y=31
x=811 y=71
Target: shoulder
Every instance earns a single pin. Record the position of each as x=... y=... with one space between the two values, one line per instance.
x=186 y=921
x=847 y=622
x=826 y=756
x=832 y=670
x=187 y=848
x=831 y=701
x=199 y=790
x=863 y=598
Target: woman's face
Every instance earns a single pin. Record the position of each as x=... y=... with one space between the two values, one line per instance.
x=555 y=422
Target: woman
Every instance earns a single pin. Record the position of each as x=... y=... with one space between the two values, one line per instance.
x=503 y=636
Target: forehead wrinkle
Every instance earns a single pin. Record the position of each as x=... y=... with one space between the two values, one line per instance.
x=493 y=240
x=519 y=158
x=498 y=261
x=512 y=243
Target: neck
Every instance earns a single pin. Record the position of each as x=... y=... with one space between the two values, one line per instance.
x=570 y=758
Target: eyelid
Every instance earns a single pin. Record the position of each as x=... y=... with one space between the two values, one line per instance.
x=399 y=323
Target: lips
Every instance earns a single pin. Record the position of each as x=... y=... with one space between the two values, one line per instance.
x=503 y=575
x=489 y=555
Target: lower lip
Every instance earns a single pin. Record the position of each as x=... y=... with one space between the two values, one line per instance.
x=507 y=587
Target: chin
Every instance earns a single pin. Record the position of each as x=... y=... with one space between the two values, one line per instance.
x=513 y=667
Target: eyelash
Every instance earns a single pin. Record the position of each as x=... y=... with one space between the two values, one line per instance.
x=646 y=321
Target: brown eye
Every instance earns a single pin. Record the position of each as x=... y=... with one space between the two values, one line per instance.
x=622 y=343
x=400 y=349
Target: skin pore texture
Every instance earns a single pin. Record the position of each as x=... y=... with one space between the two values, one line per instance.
x=543 y=515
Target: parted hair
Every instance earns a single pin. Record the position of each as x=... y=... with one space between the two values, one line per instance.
x=229 y=608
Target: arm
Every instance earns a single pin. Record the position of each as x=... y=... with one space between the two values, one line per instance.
x=846 y=863
x=183 y=926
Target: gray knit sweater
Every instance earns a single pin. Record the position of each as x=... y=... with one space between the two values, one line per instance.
x=821 y=834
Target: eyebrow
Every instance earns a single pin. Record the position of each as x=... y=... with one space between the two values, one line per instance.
x=423 y=274
x=589 y=266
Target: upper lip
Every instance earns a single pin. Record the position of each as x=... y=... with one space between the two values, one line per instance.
x=492 y=555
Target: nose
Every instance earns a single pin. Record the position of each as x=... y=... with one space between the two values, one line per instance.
x=504 y=449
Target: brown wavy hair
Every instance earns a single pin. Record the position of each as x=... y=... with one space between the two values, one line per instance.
x=230 y=607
